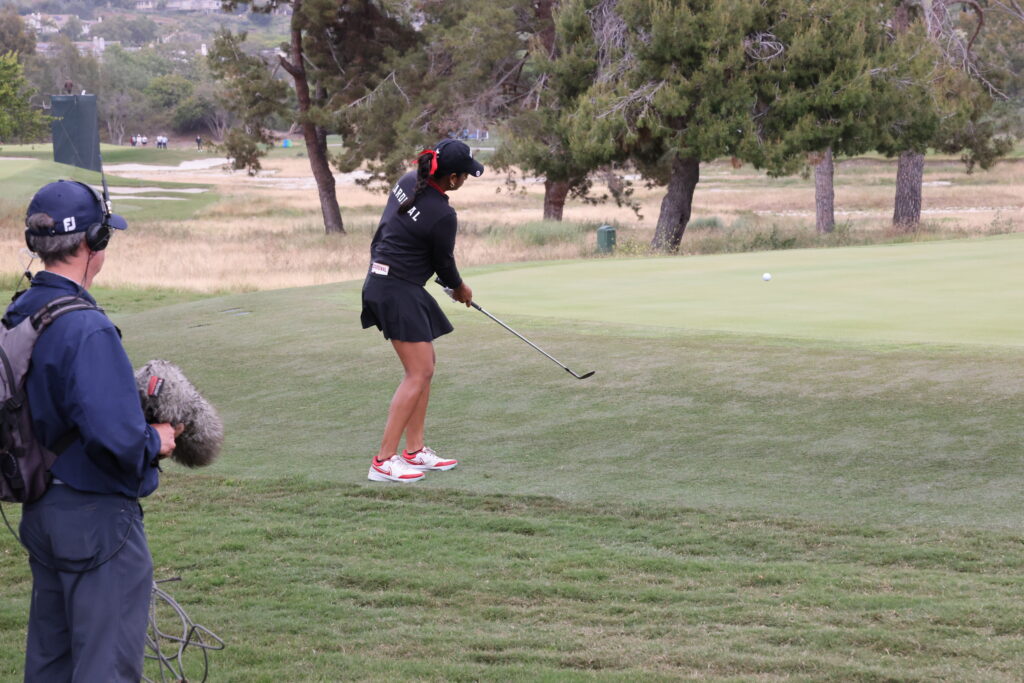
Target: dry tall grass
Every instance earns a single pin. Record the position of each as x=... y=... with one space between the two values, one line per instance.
x=267 y=233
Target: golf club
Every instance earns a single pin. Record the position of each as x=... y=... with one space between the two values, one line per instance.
x=585 y=375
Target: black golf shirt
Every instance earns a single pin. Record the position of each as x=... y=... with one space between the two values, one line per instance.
x=417 y=243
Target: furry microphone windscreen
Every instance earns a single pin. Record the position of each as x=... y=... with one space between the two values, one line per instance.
x=168 y=396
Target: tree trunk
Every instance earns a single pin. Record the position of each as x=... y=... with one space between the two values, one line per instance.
x=543 y=11
x=901 y=18
x=316 y=147
x=555 y=192
x=115 y=132
x=316 y=140
x=825 y=193
x=906 y=214
x=677 y=204
x=217 y=122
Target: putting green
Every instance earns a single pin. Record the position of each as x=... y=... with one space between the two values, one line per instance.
x=950 y=292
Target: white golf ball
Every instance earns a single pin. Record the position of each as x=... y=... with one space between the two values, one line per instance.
x=766 y=277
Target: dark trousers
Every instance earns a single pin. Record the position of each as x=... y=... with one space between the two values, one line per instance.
x=92 y=581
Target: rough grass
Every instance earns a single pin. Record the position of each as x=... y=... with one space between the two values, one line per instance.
x=707 y=506
x=310 y=581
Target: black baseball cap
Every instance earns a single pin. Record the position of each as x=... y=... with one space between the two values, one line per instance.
x=454 y=156
x=73 y=206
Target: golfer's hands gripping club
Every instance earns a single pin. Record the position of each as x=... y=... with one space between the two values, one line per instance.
x=463 y=294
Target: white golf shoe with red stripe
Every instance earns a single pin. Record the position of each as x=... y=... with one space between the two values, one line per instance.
x=426 y=460
x=394 y=469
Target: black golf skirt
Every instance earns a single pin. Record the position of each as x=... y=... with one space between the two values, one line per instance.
x=402 y=310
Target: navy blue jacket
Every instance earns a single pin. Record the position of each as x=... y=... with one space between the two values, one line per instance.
x=419 y=242
x=80 y=377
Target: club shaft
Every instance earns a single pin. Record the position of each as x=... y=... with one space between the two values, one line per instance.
x=559 y=363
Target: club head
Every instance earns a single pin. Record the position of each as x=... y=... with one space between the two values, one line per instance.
x=585 y=375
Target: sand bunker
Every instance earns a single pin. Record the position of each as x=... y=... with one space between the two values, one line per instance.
x=136 y=190
x=193 y=165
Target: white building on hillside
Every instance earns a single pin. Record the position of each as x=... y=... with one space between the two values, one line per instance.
x=208 y=6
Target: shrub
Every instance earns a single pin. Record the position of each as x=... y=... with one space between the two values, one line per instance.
x=540 y=233
x=709 y=223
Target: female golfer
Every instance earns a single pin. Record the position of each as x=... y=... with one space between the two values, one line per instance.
x=415 y=239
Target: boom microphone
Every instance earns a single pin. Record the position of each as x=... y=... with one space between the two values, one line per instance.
x=168 y=396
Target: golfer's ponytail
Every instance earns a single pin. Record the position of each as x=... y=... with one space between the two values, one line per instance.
x=426 y=165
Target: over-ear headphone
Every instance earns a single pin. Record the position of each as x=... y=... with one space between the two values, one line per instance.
x=97 y=235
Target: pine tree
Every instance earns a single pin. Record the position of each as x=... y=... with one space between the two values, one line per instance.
x=536 y=136
x=671 y=89
x=335 y=54
x=251 y=93
x=952 y=115
x=816 y=80
x=462 y=69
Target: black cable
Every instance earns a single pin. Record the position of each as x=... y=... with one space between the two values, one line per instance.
x=192 y=634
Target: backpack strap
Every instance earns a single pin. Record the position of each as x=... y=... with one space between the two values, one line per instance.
x=42 y=319
x=45 y=316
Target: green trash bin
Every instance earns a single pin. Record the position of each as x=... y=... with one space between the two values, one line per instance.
x=606 y=239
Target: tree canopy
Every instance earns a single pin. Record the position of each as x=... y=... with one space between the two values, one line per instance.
x=251 y=93
x=670 y=88
x=135 y=31
x=575 y=87
x=19 y=120
x=15 y=36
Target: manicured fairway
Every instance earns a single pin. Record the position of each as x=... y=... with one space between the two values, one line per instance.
x=952 y=292
x=814 y=478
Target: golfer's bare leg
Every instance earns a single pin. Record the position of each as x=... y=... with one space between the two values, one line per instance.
x=414 y=429
x=418 y=360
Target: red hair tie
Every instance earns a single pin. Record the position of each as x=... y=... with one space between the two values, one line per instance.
x=433 y=159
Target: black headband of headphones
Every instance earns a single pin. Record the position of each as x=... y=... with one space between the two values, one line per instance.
x=104 y=209
x=97 y=235
x=104 y=204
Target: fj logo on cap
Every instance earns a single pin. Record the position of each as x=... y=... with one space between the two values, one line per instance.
x=69 y=224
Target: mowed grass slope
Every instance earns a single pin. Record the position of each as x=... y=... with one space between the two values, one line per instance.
x=749 y=503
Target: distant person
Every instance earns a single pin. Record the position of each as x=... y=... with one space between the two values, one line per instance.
x=133 y=140
x=415 y=239
x=145 y=140
x=199 y=143
x=92 y=572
